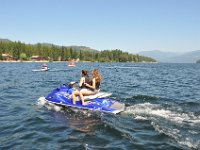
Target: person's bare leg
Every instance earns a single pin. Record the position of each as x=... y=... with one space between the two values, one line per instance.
x=74 y=94
x=82 y=98
x=86 y=93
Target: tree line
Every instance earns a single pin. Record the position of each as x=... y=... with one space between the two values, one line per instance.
x=51 y=52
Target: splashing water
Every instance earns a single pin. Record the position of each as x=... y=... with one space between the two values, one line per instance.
x=172 y=123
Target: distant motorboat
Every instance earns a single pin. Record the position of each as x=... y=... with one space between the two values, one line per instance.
x=44 y=67
x=71 y=64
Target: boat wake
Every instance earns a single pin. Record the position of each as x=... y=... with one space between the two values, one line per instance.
x=41 y=103
x=58 y=108
x=173 y=123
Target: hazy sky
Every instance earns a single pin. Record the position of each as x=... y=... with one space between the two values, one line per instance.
x=129 y=25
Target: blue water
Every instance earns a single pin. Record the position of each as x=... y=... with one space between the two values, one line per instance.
x=162 y=108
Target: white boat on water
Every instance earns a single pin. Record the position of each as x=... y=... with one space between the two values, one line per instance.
x=71 y=64
x=43 y=68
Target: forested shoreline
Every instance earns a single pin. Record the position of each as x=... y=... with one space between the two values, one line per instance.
x=50 y=52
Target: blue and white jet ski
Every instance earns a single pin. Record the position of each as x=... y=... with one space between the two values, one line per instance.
x=97 y=102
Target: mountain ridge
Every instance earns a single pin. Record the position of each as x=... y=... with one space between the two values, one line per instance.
x=74 y=47
x=172 y=57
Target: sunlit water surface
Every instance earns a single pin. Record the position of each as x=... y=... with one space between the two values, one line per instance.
x=162 y=108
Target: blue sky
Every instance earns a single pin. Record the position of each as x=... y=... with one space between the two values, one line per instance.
x=129 y=25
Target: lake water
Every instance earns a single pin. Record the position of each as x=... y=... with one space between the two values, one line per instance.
x=162 y=108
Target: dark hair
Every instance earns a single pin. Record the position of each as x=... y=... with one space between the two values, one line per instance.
x=84 y=72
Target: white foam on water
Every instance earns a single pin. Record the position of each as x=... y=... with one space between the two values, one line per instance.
x=190 y=143
x=177 y=135
x=180 y=126
x=140 y=118
x=50 y=106
x=42 y=102
x=57 y=108
x=147 y=110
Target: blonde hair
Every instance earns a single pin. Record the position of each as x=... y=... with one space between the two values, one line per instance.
x=96 y=75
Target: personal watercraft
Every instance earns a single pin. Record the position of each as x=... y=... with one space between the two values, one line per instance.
x=71 y=65
x=42 y=69
x=98 y=102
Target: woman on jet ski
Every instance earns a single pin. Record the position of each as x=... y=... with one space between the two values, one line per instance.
x=92 y=88
x=84 y=80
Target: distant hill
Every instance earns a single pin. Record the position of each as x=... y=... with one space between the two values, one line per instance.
x=76 y=48
x=170 y=57
x=189 y=57
x=158 y=55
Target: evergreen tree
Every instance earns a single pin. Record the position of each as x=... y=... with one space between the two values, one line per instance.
x=54 y=53
x=1 y=57
x=23 y=57
x=16 y=52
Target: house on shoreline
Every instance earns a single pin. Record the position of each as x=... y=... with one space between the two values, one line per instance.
x=38 y=58
x=7 y=57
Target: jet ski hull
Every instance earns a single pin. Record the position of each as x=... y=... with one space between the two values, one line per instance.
x=40 y=70
x=61 y=96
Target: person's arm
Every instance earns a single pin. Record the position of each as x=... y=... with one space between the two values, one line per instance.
x=82 y=80
x=93 y=84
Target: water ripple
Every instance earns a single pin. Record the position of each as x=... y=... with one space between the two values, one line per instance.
x=162 y=111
